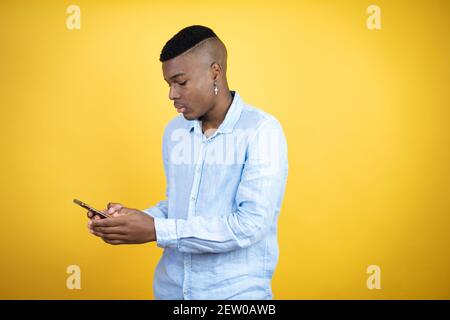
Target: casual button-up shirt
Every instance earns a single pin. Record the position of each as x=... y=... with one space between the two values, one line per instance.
x=218 y=224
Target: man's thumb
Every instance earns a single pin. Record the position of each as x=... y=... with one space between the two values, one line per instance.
x=113 y=207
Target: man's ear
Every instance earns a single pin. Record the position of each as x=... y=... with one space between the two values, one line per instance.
x=216 y=70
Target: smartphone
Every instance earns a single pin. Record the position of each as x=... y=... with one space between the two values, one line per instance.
x=88 y=207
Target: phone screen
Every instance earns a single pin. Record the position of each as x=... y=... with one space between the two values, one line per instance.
x=88 y=207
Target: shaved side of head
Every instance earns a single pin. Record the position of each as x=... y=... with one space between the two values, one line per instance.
x=210 y=51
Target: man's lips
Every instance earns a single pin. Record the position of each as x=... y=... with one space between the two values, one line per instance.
x=180 y=107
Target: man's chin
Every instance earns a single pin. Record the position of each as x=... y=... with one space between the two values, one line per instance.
x=189 y=117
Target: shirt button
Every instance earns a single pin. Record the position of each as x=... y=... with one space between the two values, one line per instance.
x=193 y=197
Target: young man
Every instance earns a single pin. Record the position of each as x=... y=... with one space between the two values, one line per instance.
x=226 y=169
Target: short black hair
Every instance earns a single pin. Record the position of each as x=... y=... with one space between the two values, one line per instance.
x=184 y=40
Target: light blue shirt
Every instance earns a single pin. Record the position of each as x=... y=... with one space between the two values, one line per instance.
x=218 y=224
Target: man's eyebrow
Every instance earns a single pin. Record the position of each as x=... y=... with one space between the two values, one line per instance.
x=176 y=75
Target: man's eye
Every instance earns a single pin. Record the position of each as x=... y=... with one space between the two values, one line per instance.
x=183 y=83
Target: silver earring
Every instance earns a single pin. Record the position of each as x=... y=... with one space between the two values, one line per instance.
x=215 y=88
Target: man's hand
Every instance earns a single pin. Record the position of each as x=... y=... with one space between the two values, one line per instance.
x=126 y=226
x=112 y=209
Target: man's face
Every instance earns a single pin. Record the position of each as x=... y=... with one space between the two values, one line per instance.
x=191 y=85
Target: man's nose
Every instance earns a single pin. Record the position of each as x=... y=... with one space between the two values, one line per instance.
x=173 y=94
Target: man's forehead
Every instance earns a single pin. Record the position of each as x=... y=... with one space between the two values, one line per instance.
x=176 y=67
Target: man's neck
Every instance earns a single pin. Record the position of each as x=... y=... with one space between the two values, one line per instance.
x=215 y=117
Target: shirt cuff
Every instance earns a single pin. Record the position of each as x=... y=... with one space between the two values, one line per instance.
x=166 y=233
x=154 y=212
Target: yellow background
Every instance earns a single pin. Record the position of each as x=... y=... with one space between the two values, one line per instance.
x=365 y=113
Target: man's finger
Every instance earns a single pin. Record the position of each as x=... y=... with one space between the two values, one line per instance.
x=107 y=222
x=115 y=242
x=114 y=237
x=92 y=215
x=109 y=236
x=98 y=234
x=110 y=230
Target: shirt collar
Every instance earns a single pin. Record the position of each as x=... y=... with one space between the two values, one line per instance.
x=232 y=116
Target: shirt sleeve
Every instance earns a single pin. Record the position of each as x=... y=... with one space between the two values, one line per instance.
x=161 y=209
x=258 y=200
